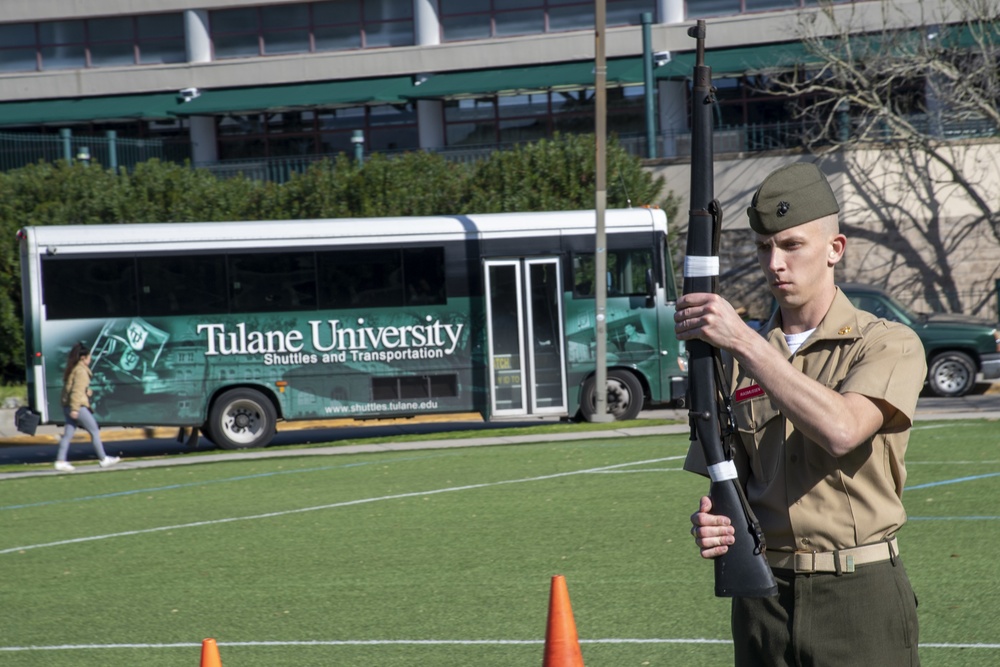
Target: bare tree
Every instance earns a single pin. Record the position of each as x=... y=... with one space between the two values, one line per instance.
x=909 y=100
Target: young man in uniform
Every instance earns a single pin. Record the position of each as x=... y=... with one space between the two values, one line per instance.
x=824 y=401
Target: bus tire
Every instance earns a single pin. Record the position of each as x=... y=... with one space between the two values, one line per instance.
x=624 y=399
x=241 y=419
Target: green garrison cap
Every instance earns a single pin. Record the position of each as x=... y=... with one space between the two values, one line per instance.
x=791 y=196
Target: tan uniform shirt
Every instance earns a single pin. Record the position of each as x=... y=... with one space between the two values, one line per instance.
x=805 y=498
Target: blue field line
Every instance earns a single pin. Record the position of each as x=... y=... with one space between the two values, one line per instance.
x=957 y=480
x=240 y=478
x=952 y=518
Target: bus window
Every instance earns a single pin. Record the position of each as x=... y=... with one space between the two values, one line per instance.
x=583 y=275
x=360 y=278
x=272 y=281
x=85 y=288
x=423 y=273
x=626 y=273
x=182 y=285
x=381 y=278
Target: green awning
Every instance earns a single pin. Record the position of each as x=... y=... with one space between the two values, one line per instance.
x=509 y=80
x=729 y=62
x=785 y=55
x=158 y=105
x=524 y=79
x=295 y=96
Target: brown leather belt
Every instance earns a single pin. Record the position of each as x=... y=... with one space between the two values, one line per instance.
x=845 y=560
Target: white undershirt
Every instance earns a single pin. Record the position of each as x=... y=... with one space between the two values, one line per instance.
x=795 y=341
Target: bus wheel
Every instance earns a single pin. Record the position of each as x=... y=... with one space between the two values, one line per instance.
x=624 y=396
x=240 y=419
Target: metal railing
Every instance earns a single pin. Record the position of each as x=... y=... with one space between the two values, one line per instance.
x=726 y=139
x=279 y=169
x=110 y=151
x=274 y=169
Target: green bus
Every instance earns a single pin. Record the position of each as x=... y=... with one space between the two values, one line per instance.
x=229 y=327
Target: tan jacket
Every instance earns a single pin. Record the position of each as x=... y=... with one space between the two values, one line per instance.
x=805 y=498
x=76 y=393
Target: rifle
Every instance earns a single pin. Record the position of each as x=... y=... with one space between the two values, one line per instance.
x=742 y=571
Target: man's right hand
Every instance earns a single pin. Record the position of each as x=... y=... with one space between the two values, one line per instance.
x=712 y=533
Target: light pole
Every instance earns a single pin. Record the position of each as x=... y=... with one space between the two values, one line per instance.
x=649 y=83
x=358 y=139
x=601 y=201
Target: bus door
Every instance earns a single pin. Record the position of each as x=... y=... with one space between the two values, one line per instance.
x=525 y=334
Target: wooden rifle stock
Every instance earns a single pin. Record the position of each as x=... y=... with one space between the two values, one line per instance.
x=743 y=571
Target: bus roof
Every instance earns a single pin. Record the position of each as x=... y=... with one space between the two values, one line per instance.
x=165 y=237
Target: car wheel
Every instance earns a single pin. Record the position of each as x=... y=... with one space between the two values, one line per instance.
x=952 y=374
x=241 y=419
x=624 y=396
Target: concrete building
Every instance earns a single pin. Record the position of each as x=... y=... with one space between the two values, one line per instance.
x=264 y=80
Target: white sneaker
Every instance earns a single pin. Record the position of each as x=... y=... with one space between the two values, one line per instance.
x=64 y=466
x=109 y=461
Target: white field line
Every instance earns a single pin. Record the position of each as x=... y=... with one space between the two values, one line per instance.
x=346 y=503
x=420 y=642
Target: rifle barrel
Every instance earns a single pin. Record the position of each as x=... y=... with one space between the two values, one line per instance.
x=742 y=571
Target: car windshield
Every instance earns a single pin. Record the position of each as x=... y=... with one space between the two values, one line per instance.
x=903 y=309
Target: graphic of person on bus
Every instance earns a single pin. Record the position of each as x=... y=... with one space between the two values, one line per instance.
x=633 y=342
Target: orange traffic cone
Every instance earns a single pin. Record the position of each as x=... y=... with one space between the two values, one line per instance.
x=210 y=654
x=562 y=646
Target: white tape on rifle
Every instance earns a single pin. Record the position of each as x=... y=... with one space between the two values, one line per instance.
x=701 y=267
x=720 y=472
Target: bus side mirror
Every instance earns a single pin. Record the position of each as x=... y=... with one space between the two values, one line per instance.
x=650 y=284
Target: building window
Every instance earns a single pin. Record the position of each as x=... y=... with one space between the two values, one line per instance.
x=316 y=132
x=104 y=42
x=750 y=118
x=236 y=33
x=311 y=27
x=483 y=19
x=160 y=38
x=61 y=44
x=706 y=8
x=509 y=119
x=18 y=47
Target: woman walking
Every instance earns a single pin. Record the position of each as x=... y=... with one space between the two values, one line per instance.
x=76 y=407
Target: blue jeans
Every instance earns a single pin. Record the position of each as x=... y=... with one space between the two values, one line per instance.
x=85 y=419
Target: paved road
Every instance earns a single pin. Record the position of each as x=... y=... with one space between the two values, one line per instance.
x=160 y=446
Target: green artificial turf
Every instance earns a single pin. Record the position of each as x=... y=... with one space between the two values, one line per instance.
x=437 y=557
